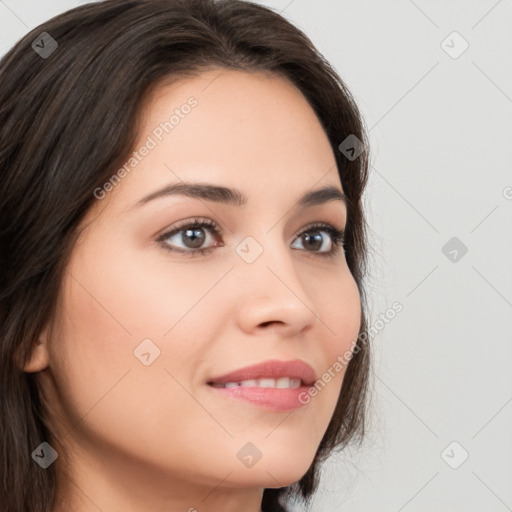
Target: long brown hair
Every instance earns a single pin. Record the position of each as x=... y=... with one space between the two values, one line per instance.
x=68 y=121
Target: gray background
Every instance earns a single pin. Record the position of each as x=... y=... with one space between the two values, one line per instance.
x=441 y=137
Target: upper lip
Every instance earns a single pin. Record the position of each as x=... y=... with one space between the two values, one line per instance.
x=271 y=369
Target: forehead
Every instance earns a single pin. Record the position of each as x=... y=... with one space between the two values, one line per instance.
x=256 y=112
x=252 y=131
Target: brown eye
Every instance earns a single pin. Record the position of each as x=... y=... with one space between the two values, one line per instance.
x=191 y=236
x=315 y=240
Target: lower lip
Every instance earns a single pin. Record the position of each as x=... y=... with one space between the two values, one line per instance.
x=277 y=399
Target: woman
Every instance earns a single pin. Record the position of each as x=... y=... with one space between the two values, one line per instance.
x=182 y=255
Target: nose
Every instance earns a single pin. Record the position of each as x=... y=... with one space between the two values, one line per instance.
x=271 y=293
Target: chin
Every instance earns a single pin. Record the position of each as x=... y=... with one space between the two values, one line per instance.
x=278 y=471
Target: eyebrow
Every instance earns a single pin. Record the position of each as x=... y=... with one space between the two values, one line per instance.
x=235 y=197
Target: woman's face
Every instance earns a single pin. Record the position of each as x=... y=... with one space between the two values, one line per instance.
x=145 y=323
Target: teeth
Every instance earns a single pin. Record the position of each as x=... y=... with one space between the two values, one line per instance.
x=267 y=383
x=283 y=382
x=249 y=383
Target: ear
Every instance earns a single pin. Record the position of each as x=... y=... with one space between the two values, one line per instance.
x=39 y=358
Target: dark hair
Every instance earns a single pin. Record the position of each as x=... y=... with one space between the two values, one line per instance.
x=70 y=119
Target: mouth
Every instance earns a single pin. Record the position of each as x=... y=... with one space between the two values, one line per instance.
x=281 y=383
x=274 y=385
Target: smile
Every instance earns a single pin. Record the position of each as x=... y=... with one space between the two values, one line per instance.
x=282 y=383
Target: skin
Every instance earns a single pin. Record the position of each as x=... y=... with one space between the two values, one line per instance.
x=155 y=437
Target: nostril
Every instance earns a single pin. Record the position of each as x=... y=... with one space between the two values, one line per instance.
x=264 y=324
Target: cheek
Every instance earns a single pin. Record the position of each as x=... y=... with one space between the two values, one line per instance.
x=112 y=300
x=90 y=348
x=340 y=311
x=121 y=296
x=104 y=391
x=340 y=320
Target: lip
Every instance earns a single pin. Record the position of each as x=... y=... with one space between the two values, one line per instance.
x=271 y=369
x=275 y=399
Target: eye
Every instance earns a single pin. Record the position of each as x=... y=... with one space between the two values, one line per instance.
x=193 y=234
x=312 y=239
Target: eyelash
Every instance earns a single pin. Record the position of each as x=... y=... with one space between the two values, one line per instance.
x=337 y=237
